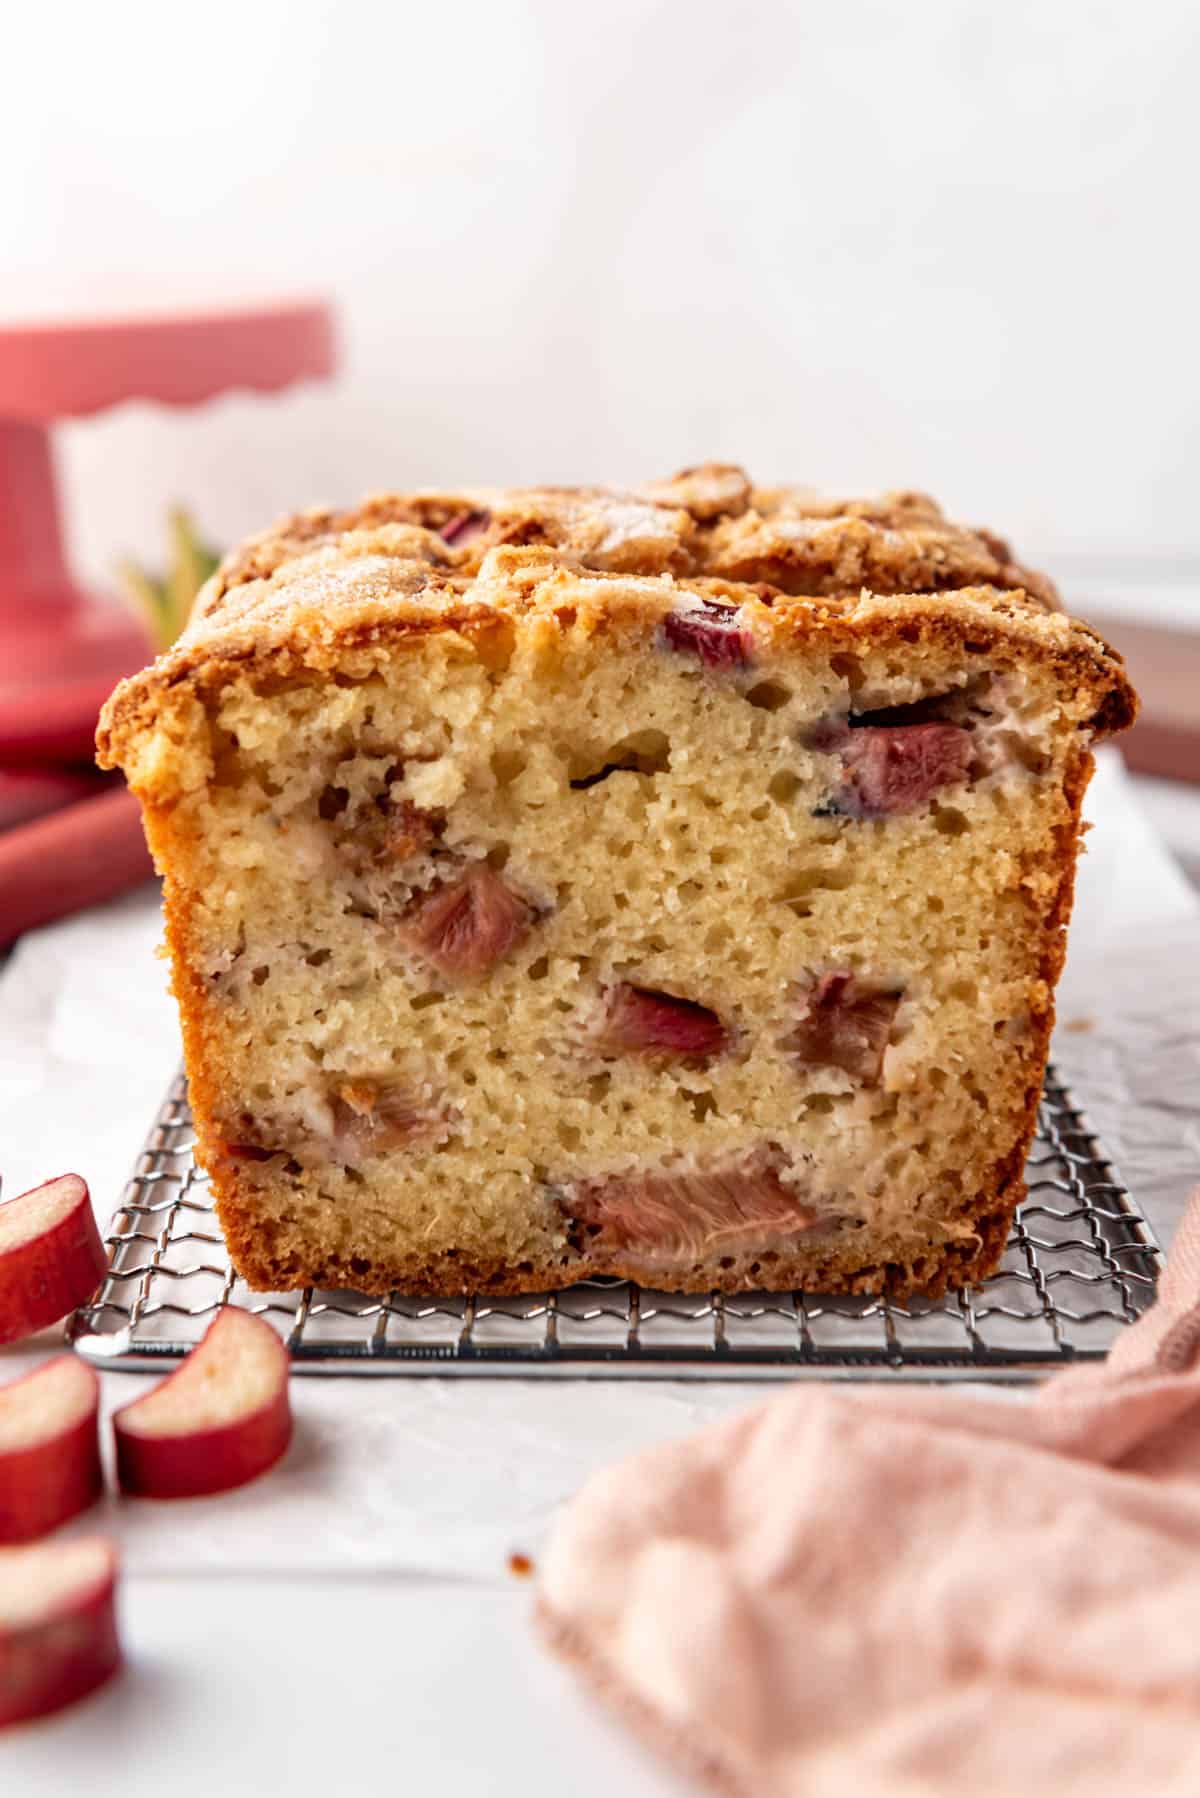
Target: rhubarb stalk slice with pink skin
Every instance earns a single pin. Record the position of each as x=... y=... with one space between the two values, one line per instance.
x=464 y=527
x=221 y=1419
x=49 y=1448
x=51 y=1256
x=58 y=1625
x=641 y=1020
x=677 y=1218
x=893 y=769
x=846 y=1024
x=709 y=632
x=468 y=924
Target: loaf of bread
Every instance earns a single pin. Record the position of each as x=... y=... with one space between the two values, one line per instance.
x=668 y=884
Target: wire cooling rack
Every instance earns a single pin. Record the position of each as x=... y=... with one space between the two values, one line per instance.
x=1080 y=1264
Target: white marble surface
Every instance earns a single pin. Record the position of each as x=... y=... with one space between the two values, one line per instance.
x=368 y=1574
x=334 y=1689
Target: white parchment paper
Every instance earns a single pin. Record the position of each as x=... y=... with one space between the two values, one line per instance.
x=445 y=1477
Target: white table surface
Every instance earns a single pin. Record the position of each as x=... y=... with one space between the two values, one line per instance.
x=338 y=1687
x=380 y=1644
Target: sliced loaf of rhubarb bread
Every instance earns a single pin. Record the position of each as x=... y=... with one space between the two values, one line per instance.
x=668 y=884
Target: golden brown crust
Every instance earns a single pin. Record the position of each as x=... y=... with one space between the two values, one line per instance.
x=704 y=521
x=941 y=1268
x=298 y=597
x=321 y=581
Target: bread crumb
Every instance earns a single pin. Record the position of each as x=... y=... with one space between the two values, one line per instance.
x=520 y=1565
x=1080 y=1026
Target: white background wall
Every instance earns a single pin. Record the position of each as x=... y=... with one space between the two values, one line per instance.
x=948 y=243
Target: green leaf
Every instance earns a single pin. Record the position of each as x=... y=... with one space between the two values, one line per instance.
x=166 y=604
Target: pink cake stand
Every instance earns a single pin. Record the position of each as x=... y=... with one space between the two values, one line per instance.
x=63 y=650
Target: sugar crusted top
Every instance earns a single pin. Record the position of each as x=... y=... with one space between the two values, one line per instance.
x=321 y=581
x=707 y=521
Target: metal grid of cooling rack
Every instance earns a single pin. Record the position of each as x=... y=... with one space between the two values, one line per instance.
x=1081 y=1262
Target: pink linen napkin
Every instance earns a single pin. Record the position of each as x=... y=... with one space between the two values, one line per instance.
x=901 y=1594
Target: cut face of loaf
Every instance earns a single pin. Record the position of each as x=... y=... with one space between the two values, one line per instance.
x=545 y=921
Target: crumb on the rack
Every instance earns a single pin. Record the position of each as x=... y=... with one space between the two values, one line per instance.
x=520 y=1565
x=1080 y=1026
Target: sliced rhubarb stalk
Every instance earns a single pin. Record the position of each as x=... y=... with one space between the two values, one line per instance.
x=49 y=1448
x=893 y=769
x=372 y=1117
x=638 y=1019
x=466 y=925
x=680 y=1218
x=344 y=1121
x=51 y=1256
x=464 y=527
x=29 y=793
x=58 y=1625
x=709 y=631
x=222 y=1418
x=846 y=1024
x=83 y=854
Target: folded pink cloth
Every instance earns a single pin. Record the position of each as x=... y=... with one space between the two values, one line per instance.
x=887 y=1592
